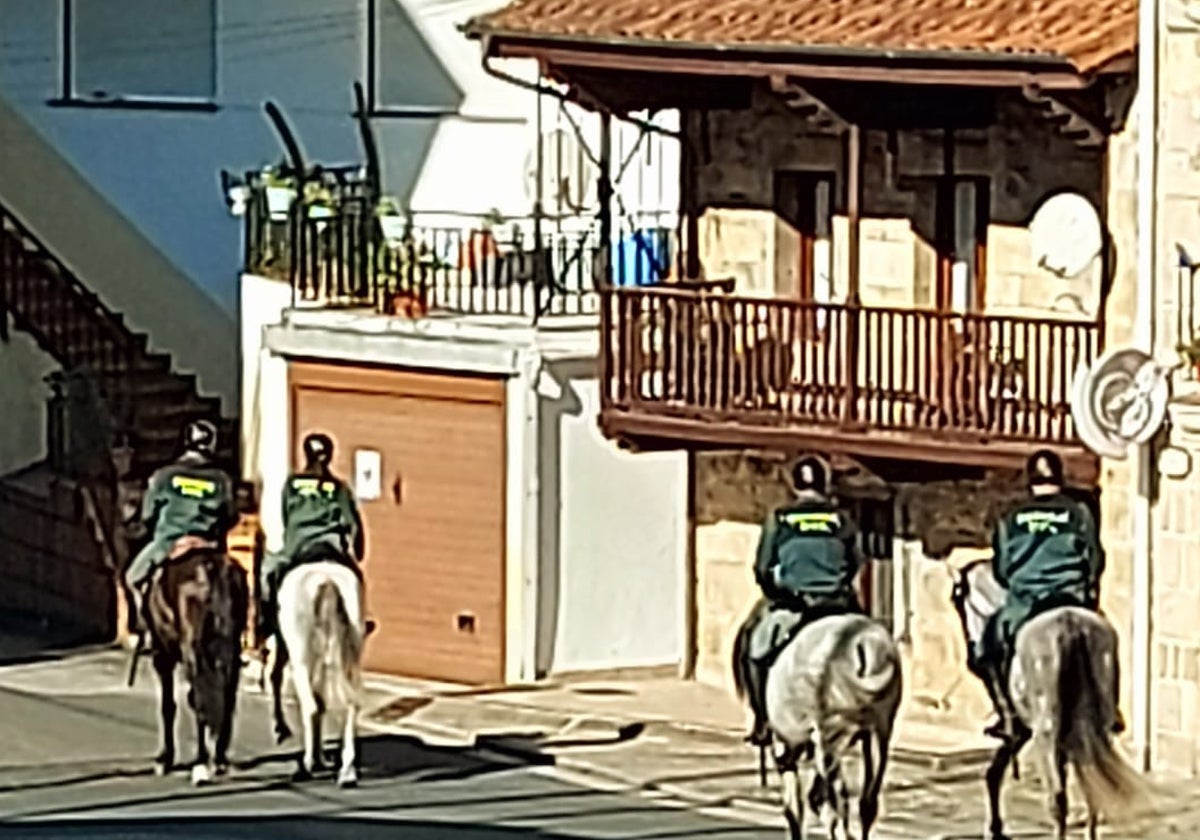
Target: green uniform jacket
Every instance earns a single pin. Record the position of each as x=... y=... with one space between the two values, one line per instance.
x=189 y=498
x=1047 y=548
x=319 y=509
x=808 y=548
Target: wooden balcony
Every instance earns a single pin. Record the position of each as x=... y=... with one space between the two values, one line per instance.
x=687 y=368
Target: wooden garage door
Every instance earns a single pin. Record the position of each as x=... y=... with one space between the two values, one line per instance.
x=435 y=537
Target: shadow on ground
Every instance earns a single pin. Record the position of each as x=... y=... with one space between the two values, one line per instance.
x=310 y=828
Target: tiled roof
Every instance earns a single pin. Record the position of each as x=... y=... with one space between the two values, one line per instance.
x=1087 y=33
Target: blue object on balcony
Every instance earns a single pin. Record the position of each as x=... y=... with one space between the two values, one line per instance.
x=643 y=258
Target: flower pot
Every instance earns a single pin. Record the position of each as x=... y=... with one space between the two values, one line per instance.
x=394 y=229
x=279 y=202
x=407 y=304
x=320 y=211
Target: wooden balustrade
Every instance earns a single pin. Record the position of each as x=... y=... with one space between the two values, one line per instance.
x=775 y=362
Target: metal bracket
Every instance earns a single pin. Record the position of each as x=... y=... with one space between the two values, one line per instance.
x=1073 y=125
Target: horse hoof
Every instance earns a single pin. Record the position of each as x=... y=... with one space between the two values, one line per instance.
x=282 y=733
x=201 y=775
x=163 y=764
x=221 y=768
x=348 y=778
x=302 y=774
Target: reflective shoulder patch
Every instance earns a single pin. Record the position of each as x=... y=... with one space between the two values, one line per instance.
x=1042 y=521
x=313 y=487
x=196 y=488
x=812 y=521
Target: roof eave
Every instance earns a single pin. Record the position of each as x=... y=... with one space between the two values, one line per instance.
x=960 y=68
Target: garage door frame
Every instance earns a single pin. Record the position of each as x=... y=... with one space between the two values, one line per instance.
x=466 y=386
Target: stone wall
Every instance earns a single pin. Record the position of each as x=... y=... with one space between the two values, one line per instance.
x=1023 y=156
x=735 y=491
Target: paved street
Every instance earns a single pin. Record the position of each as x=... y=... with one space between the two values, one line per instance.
x=77 y=748
x=76 y=763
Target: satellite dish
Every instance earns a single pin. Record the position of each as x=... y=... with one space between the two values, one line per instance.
x=570 y=179
x=1066 y=235
x=1120 y=401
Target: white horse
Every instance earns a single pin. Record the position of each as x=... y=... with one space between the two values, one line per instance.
x=321 y=624
x=835 y=685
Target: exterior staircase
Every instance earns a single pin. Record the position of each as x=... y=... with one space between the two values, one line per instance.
x=145 y=402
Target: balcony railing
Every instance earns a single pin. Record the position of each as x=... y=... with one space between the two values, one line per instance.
x=778 y=363
x=338 y=250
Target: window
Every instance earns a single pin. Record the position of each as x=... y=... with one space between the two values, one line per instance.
x=405 y=75
x=139 y=51
x=805 y=201
x=962 y=235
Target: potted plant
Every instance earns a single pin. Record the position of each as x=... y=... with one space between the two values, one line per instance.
x=281 y=192
x=318 y=201
x=392 y=221
x=1190 y=353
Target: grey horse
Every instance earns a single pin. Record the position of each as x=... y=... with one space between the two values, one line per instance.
x=1063 y=686
x=836 y=684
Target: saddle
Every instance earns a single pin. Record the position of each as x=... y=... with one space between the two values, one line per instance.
x=190 y=544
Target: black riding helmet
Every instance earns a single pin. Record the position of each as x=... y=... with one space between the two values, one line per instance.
x=200 y=436
x=318 y=450
x=810 y=473
x=1045 y=469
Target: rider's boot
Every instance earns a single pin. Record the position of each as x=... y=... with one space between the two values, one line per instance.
x=1008 y=726
x=756 y=684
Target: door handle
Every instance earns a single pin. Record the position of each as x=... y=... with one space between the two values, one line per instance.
x=398 y=489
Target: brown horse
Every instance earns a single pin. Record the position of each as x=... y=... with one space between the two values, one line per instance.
x=197 y=611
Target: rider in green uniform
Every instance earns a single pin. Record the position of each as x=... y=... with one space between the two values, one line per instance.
x=190 y=497
x=808 y=556
x=320 y=522
x=1046 y=553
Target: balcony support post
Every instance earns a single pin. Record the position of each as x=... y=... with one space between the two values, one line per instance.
x=607 y=298
x=853 y=300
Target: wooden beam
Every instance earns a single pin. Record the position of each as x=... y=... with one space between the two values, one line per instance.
x=1071 y=122
x=951 y=76
x=854 y=168
x=661 y=432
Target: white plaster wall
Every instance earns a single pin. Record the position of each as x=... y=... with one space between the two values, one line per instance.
x=23 y=423
x=596 y=537
x=614 y=538
x=264 y=416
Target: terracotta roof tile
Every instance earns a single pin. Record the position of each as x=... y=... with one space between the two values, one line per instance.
x=1086 y=33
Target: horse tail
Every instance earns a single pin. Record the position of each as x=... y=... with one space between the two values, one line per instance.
x=1086 y=713
x=875 y=665
x=213 y=658
x=335 y=648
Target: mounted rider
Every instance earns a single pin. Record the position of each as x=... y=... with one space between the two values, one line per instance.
x=190 y=497
x=808 y=557
x=320 y=522
x=1045 y=553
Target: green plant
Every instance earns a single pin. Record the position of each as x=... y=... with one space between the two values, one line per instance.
x=1190 y=351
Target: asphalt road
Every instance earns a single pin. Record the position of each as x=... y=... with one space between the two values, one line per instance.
x=75 y=761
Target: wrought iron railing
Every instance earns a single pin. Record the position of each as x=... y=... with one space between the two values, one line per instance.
x=713 y=357
x=332 y=243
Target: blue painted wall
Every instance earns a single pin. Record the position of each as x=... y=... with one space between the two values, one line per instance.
x=160 y=169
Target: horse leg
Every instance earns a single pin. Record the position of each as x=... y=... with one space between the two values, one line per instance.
x=1092 y=823
x=164 y=666
x=225 y=731
x=282 y=731
x=301 y=681
x=348 y=773
x=201 y=772
x=793 y=804
x=1057 y=779
x=875 y=758
x=995 y=781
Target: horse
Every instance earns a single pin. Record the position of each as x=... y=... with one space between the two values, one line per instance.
x=197 y=609
x=836 y=684
x=1063 y=685
x=322 y=633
